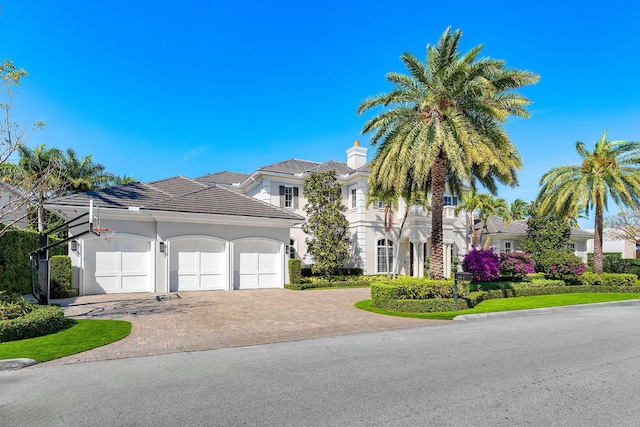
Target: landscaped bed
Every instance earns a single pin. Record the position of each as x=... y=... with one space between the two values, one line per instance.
x=417 y=295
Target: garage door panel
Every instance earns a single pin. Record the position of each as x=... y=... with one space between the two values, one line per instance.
x=197 y=264
x=257 y=264
x=121 y=265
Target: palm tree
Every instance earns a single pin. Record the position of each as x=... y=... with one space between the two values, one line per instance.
x=470 y=201
x=443 y=125
x=492 y=207
x=612 y=169
x=39 y=173
x=519 y=209
x=83 y=174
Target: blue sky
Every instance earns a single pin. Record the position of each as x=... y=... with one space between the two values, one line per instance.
x=158 y=89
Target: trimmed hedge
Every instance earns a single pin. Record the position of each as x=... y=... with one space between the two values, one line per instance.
x=15 y=246
x=295 y=273
x=355 y=282
x=306 y=272
x=60 y=277
x=388 y=297
x=608 y=279
x=42 y=320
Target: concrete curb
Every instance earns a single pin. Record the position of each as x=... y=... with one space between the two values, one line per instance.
x=536 y=311
x=14 y=364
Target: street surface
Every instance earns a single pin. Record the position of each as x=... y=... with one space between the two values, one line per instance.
x=574 y=367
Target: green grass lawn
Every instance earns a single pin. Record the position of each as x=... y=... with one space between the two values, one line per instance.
x=510 y=304
x=82 y=335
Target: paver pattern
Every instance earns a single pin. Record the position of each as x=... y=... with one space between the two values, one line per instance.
x=193 y=321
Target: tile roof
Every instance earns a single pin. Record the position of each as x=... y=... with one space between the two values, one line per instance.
x=496 y=225
x=224 y=177
x=291 y=167
x=178 y=194
x=339 y=167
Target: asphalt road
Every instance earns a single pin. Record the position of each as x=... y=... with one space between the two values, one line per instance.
x=579 y=367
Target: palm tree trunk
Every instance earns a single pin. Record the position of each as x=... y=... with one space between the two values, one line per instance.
x=597 y=239
x=438 y=172
x=396 y=267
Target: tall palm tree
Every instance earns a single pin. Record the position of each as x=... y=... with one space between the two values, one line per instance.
x=612 y=170
x=442 y=124
x=38 y=172
x=469 y=202
x=518 y=209
x=83 y=174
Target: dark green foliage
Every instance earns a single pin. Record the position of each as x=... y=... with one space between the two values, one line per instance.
x=14 y=259
x=545 y=233
x=387 y=297
x=43 y=320
x=60 y=277
x=307 y=272
x=614 y=263
x=12 y=306
x=328 y=229
x=608 y=279
x=424 y=288
x=334 y=282
x=294 y=270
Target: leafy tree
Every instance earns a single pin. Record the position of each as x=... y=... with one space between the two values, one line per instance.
x=442 y=125
x=491 y=207
x=612 y=170
x=328 y=229
x=545 y=233
x=12 y=138
x=625 y=225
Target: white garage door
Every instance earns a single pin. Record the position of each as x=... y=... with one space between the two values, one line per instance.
x=197 y=264
x=121 y=265
x=257 y=264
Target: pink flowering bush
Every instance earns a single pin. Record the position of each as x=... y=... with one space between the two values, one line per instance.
x=516 y=265
x=483 y=264
x=562 y=265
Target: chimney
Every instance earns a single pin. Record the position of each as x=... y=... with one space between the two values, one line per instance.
x=356 y=156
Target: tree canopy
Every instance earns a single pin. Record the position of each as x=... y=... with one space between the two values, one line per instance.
x=442 y=126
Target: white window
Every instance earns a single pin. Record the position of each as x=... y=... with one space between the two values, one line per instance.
x=380 y=204
x=508 y=247
x=288 y=197
x=450 y=201
x=354 y=197
x=385 y=256
x=572 y=246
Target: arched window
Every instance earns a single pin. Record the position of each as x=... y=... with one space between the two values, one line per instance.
x=292 y=249
x=385 y=256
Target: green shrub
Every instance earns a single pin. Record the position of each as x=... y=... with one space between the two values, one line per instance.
x=306 y=272
x=15 y=247
x=335 y=282
x=560 y=265
x=295 y=265
x=60 y=277
x=424 y=288
x=12 y=306
x=608 y=279
x=42 y=320
x=386 y=296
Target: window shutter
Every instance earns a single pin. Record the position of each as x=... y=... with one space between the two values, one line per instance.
x=282 y=196
x=295 y=198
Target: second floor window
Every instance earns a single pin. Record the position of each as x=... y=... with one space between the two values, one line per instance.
x=288 y=197
x=354 y=197
x=450 y=201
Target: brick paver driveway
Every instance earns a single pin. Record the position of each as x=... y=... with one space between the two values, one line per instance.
x=191 y=321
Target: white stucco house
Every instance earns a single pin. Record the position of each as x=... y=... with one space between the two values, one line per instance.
x=281 y=184
x=230 y=230
x=628 y=249
x=508 y=237
x=178 y=234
